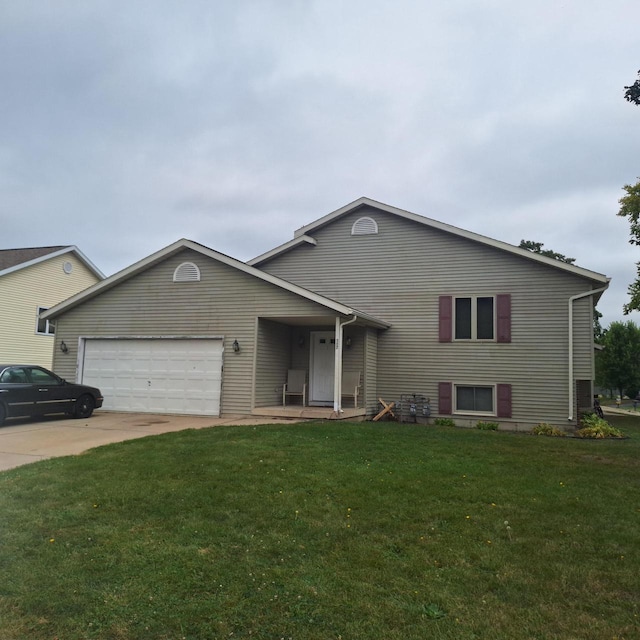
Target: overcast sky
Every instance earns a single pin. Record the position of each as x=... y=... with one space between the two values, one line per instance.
x=125 y=126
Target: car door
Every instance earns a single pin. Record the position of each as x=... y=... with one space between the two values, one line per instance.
x=16 y=392
x=52 y=395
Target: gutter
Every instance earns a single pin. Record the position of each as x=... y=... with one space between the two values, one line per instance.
x=337 y=374
x=572 y=299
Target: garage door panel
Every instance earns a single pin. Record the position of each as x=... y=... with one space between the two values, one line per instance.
x=162 y=375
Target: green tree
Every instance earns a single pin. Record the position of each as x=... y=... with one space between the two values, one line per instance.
x=632 y=93
x=618 y=364
x=630 y=208
x=536 y=247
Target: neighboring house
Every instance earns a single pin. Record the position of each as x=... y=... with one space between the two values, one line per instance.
x=486 y=330
x=31 y=281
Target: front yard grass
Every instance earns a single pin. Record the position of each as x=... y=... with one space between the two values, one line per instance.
x=326 y=531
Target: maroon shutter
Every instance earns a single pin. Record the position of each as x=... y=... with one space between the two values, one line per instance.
x=504 y=400
x=444 y=398
x=445 y=318
x=503 y=308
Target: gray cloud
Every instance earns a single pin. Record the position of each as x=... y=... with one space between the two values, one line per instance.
x=129 y=125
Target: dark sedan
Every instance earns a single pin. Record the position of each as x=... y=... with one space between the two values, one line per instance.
x=27 y=390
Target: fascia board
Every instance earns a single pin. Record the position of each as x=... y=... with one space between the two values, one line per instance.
x=55 y=254
x=154 y=258
x=282 y=249
x=448 y=228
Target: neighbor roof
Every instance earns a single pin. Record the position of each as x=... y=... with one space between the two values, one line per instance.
x=304 y=234
x=15 y=259
x=179 y=245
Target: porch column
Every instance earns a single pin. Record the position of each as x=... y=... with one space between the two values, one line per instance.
x=337 y=373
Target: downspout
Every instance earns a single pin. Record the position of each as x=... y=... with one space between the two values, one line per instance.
x=337 y=374
x=572 y=299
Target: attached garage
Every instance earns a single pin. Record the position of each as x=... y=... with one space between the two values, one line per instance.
x=155 y=375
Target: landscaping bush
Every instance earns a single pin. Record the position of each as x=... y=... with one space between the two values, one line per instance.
x=596 y=427
x=544 y=429
x=444 y=422
x=487 y=426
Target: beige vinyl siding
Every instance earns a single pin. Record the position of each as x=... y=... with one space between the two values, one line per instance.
x=371 y=371
x=226 y=303
x=398 y=275
x=44 y=284
x=272 y=362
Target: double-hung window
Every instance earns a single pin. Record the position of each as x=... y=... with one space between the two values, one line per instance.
x=44 y=327
x=474 y=399
x=474 y=318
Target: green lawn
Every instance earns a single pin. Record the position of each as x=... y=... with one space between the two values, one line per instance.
x=326 y=531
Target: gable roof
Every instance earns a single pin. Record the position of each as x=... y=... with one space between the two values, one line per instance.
x=303 y=234
x=179 y=245
x=15 y=259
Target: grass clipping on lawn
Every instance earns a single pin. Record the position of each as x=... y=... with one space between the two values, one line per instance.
x=318 y=531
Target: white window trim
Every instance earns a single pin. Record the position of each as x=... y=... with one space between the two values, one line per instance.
x=474 y=318
x=494 y=399
x=48 y=325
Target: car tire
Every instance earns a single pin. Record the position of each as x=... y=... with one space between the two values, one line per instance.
x=84 y=407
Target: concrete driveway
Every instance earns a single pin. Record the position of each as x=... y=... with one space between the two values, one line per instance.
x=23 y=441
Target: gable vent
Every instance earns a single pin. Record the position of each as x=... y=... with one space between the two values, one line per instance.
x=364 y=226
x=187 y=272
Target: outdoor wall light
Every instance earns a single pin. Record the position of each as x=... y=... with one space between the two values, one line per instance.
x=236 y=346
x=347 y=342
x=63 y=347
x=301 y=341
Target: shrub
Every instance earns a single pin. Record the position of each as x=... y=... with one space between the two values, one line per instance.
x=444 y=422
x=595 y=427
x=544 y=429
x=487 y=426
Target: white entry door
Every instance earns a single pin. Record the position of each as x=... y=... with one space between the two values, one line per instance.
x=323 y=345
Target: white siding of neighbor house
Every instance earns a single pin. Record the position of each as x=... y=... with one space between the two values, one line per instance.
x=399 y=273
x=43 y=284
x=225 y=302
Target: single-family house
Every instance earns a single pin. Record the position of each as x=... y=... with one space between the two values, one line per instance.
x=391 y=301
x=31 y=281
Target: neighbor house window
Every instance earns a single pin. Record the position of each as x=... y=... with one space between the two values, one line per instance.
x=474 y=318
x=44 y=327
x=470 y=399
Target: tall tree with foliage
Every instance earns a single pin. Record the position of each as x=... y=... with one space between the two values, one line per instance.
x=536 y=247
x=618 y=364
x=632 y=93
x=630 y=208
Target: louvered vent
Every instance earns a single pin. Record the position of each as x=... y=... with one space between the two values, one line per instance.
x=364 y=227
x=187 y=272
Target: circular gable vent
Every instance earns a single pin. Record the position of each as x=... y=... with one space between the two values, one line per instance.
x=67 y=267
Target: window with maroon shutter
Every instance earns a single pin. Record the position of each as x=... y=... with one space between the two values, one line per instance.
x=445 y=306
x=503 y=392
x=503 y=310
x=444 y=398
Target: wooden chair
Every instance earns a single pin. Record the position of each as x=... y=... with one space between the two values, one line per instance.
x=350 y=386
x=296 y=385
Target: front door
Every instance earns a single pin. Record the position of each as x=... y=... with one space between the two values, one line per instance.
x=323 y=345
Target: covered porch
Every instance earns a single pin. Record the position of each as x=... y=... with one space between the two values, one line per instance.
x=325 y=353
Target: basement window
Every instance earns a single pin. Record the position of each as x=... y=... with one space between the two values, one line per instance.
x=364 y=226
x=187 y=272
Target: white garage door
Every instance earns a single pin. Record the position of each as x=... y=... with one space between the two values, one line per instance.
x=156 y=375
